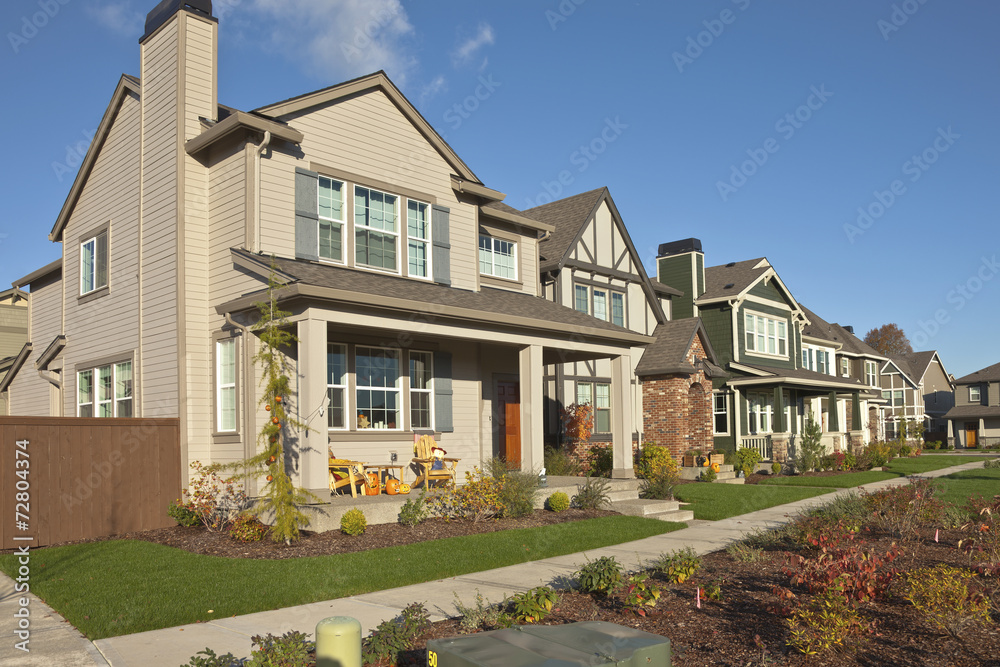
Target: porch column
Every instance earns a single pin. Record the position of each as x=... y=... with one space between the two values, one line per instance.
x=532 y=408
x=621 y=417
x=834 y=425
x=856 y=438
x=311 y=445
x=780 y=417
x=951 y=433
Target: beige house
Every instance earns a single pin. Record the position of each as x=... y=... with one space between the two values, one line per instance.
x=414 y=291
x=13 y=335
x=916 y=387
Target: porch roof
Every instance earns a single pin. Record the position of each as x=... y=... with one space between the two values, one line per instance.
x=798 y=377
x=972 y=411
x=503 y=309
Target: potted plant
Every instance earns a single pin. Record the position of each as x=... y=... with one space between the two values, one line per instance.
x=716 y=458
x=691 y=458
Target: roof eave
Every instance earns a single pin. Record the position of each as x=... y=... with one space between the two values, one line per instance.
x=241 y=121
x=523 y=221
x=51 y=267
x=461 y=185
x=22 y=357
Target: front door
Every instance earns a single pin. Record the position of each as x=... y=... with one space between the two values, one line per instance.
x=971 y=434
x=509 y=416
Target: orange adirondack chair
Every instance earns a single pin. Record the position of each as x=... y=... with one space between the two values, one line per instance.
x=425 y=460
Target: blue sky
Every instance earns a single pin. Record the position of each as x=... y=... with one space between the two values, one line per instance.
x=759 y=127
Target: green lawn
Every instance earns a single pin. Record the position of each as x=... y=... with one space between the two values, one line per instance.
x=901 y=467
x=119 y=587
x=721 y=501
x=958 y=487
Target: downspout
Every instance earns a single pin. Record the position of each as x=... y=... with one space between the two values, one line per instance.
x=51 y=379
x=255 y=246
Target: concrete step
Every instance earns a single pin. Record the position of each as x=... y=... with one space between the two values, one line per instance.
x=730 y=480
x=644 y=507
x=681 y=516
x=623 y=494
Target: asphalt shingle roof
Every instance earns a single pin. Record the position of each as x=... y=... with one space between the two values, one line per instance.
x=804 y=374
x=568 y=215
x=728 y=280
x=668 y=353
x=973 y=411
x=851 y=344
x=988 y=374
x=914 y=364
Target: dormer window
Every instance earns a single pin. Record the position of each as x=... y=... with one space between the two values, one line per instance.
x=974 y=395
x=497 y=257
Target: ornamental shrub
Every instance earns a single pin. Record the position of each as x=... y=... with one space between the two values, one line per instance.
x=396 y=635
x=592 y=494
x=655 y=461
x=603 y=575
x=826 y=622
x=248 y=528
x=558 y=463
x=776 y=468
x=353 y=522
x=415 y=510
x=900 y=510
x=480 y=498
x=879 y=453
x=747 y=460
x=534 y=605
x=289 y=650
x=679 y=565
x=943 y=595
x=810 y=447
x=183 y=514
x=558 y=502
x=601 y=460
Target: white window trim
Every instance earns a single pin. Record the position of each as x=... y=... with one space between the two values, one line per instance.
x=398 y=233
x=346 y=386
x=871 y=373
x=342 y=222
x=91 y=403
x=398 y=389
x=492 y=253
x=757 y=407
x=715 y=411
x=220 y=386
x=979 y=395
x=95 y=391
x=95 y=263
x=777 y=338
x=845 y=367
x=429 y=391
x=426 y=242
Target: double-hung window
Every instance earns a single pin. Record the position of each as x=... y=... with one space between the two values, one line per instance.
x=225 y=392
x=720 y=413
x=974 y=395
x=336 y=385
x=497 y=257
x=618 y=309
x=765 y=335
x=378 y=388
x=822 y=362
x=845 y=367
x=331 y=219
x=94 y=263
x=421 y=389
x=598 y=396
x=871 y=373
x=761 y=406
x=376 y=231
x=105 y=391
x=418 y=229
x=600 y=304
x=581 y=296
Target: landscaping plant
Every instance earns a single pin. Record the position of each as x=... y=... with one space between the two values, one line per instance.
x=480 y=498
x=601 y=460
x=353 y=522
x=679 y=565
x=658 y=471
x=982 y=536
x=248 y=528
x=747 y=460
x=415 y=510
x=811 y=448
x=483 y=615
x=592 y=494
x=900 y=510
x=211 y=500
x=396 y=635
x=517 y=489
x=534 y=605
x=944 y=596
x=776 y=468
x=603 y=575
x=827 y=621
x=289 y=650
x=639 y=594
x=558 y=502
x=558 y=463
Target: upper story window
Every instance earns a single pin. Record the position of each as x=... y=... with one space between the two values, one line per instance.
x=418 y=229
x=331 y=219
x=895 y=397
x=581 y=299
x=871 y=373
x=94 y=263
x=595 y=301
x=105 y=391
x=600 y=304
x=845 y=367
x=376 y=230
x=618 y=309
x=974 y=395
x=497 y=257
x=766 y=335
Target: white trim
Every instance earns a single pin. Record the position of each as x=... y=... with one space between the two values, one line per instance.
x=397 y=388
x=429 y=391
x=725 y=396
x=425 y=241
x=355 y=228
x=345 y=387
x=342 y=222
x=766 y=334
x=220 y=386
x=492 y=252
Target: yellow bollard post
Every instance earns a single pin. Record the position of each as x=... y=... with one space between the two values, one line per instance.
x=338 y=642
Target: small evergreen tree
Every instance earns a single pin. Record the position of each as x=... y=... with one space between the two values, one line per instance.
x=811 y=448
x=279 y=496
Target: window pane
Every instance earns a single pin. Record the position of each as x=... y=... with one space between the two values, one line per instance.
x=486 y=255
x=496 y=258
x=602 y=420
x=418 y=258
x=123 y=379
x=416 y=220
x=582 y=302
x=331 y=244
x=87 y=267
x=420 y=411
x=227 y=408
x=336 y=364
x=85 y=393
x=377 y=388
x=420 y=370
x=335 y=413
x=105 y=406
x=101 y=261
x=584 y=392
x=618 y=309
x=600 y=304
x=331 y=199
x=602 y=397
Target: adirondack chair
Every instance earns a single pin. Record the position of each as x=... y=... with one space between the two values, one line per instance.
x=346 y=473
x=425 y=460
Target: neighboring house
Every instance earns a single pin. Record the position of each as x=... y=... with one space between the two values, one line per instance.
x=917 y=387
x=975 y=419
x=851 y=358
x=755 y=327
x=413 y=290
x=36 y=378
x=590 y=264
x=13 y=336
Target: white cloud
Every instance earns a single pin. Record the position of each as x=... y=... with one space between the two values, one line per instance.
x=119 y=16
x=339 y=39
x=465 y=52
x=437 y=85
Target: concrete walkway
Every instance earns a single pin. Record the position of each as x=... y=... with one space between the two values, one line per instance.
x=54 y=641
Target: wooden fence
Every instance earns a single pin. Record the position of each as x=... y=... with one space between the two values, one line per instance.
x=85 y=478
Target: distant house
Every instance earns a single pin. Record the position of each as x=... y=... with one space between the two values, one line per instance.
x=975 y=419
x=916 y=387
x=13 y=335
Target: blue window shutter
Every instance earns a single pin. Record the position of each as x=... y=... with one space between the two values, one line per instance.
x=443 y=419
x=306 y=214
x=441 y=250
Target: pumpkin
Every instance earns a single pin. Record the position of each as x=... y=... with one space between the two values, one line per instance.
x=372 y=486
x=392 y=486
x=404 y=488
x=269 y=478
x=715 y=467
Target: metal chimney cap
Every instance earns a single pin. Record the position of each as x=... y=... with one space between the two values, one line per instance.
x=167 y=8
x=679 y=247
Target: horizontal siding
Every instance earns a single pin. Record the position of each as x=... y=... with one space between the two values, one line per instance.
x=29 y=393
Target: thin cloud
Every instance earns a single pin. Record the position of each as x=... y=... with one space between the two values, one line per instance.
x=465 y=52
x=119 y=17
x=339 y=39
x=437 y=85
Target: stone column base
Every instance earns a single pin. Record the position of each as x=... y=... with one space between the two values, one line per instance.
x=779 y=447
x=856 y=441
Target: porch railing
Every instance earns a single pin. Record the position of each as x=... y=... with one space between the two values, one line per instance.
x=760 y=443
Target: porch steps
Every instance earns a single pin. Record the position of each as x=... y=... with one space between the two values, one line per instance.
x=726 y=474
x=664 y=510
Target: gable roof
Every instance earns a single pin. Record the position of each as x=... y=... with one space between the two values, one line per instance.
x=853 y=345
x=14 y=367
x=37 y=274
x=988 y=374
x=126 y=84
x=819 y=328
x=730 y=281
x=668 y=353
x=915 y=364
x=902 y=366
x=380 y=81
x=431 y=301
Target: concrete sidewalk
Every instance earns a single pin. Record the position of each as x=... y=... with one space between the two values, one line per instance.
x=175 y=646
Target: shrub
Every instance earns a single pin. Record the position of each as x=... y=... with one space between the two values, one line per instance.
x=394 y=636
x=900 y=510
x=879 y=454
x=746 y=460
x=679 y=565
x=905 y=450
x=482 y=615
x=215 y=500
x=941 y=593
x=658 y=488
x=810 y=447
x=534 y=605
x=248 y=528
x=415 y=510
x=744 y=553
x=558 y=463
x=353 y=522
x=639 y=594
x=839 y=460
x=558 y=502
x=863 y=460
x=289 y=650
x=603 y=575
x=708 y=474
x=183 y=514
x=601 y=460
x=827 y=621
x=655 y=461
x=826 y=463
x=992 y=463
x=855 y=573
x=478 y=499
x=850 y=461
x=982 y=540
x=210 y=659
x=592 y=494
x=776 y=468
x=517 y=493
x=933 y=444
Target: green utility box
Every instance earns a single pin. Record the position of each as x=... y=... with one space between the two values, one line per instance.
x=573 y=645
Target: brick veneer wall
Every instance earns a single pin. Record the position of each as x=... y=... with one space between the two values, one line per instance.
x=677 y=409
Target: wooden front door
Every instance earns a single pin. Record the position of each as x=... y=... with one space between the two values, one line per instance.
x=508 y=415
x=971 y=434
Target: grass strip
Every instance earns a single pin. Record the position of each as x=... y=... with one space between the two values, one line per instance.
x=119 y=587
x=901 y=467
x=721 y=501
x=958 y=487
